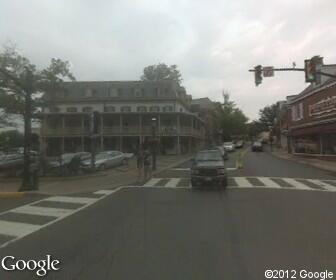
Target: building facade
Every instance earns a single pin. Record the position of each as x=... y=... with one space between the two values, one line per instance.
x=311 y=120
x=126 y=112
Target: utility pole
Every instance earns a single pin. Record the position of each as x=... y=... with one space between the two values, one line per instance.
x=154 y=143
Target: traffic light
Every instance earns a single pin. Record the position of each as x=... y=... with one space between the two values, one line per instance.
x=311 y=67
x=94 y=122
x=310 y=71
x=258 y=75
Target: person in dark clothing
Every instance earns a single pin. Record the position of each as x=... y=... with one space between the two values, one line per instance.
x=140 y=163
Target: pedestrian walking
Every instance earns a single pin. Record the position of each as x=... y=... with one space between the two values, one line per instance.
x=147 y=165
x=140 y=163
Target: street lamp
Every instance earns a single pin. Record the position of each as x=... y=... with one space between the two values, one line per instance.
x=153 y=143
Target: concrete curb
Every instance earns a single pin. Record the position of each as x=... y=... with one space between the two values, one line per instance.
x=316 y=165
x=11 y=194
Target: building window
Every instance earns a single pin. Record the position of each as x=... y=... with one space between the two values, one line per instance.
x=88 y=93
x=112 y=92
x=156 y=92
x=166 y=91
x=168 y=109
x=297 y=112
x=139 y=92
x=109 y=109
x=87 y=109
x=154 y=109
x=120 y=92
x=54 y=110
x=94 y=93
x=142 y=109
x=71 y=109
x=126 y=109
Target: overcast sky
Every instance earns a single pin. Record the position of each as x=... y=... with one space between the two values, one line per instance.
x=213 y=42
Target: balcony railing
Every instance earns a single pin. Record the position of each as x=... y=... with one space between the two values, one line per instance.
x=126 y=130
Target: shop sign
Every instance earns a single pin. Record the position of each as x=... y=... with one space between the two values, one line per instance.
x=324 y=106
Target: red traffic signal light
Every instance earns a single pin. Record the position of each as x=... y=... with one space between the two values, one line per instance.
x=258 y=75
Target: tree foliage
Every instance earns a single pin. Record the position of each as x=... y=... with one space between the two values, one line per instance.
x=14 y=80
x=267 y=115
x=161 y=72
x=230 y=119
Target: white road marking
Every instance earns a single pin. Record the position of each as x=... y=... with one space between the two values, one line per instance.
x=269 y=183
x=242 y=182
x=181 y=169
x=16 y=229
x=71 y=199
x=20 y=230
x=172 y=182
x=152 y=182
x=42 y=211
x=297 y=184
x=231 y=168
x=324 y=185
x=106 y=192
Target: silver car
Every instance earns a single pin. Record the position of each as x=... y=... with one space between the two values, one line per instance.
x=107 y=159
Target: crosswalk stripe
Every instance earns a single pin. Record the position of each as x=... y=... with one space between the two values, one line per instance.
x=42 y=211
x=296 y=184
x=324 y=185
x=172 y=182
x=268 y=182
x=152 y=182
x=242 y=182
x=17 y=229
x=105 y=192
x=72 y=199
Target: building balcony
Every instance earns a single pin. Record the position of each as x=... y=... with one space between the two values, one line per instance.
x=124 y=131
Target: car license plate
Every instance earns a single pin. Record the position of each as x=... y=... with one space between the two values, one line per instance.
x=208 y=179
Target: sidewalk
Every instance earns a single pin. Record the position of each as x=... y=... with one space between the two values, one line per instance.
x=112 y=178
x=318 y=163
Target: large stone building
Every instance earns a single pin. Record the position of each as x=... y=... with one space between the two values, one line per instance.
x=127 y=109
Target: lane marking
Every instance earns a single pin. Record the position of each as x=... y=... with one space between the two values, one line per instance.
x=152 y=182
x=324 y=185
x=21 y=230
x=269 y=183
x=242 y=182
x=72 y=199
x=42 y=211
x=231 y=168
x=297 y=184
x=181 y=169
x=172 y=182
x=17 y=229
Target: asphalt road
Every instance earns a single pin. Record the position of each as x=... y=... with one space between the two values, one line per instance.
x=160 y=232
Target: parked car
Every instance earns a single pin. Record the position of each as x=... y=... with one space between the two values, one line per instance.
x=66 y=158
x=105 y=160
x=208 y=169
x=239 y=144
x=257 y=146
x=223 y=152
x=229 y=146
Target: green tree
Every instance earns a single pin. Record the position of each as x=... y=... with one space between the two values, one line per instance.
x=267 y=116
x=229 y=119
x=21 y=86
x=161 y=72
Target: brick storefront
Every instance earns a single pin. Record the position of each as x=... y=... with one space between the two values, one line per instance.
x=312 y=121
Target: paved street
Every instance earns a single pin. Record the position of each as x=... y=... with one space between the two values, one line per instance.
x=275 y=214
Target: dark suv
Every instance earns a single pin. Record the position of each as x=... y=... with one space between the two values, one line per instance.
x=208 y=169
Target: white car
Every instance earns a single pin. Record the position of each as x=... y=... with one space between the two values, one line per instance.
x=107 y=159
x=229 y=146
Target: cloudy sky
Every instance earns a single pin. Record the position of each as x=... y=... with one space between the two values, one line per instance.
x=213 y=42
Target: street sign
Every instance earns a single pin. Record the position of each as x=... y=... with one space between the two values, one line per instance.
x=268 y=71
